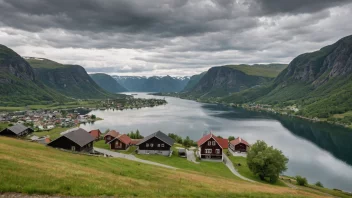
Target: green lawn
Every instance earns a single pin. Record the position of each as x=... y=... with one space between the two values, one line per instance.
x=33 y=168
x=101 y=144
x=53 y=133
x=209 y=168
x=130 y=150
x=244 y=170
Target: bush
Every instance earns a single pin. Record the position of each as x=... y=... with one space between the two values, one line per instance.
x=319 y=184
x=266 y=161
x=302 y=181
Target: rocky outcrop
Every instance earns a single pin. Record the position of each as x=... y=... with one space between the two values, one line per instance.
x=319 y=67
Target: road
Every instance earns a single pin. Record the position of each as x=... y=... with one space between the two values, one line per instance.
x=229 y=165
x=130 y=157
x=190 y=156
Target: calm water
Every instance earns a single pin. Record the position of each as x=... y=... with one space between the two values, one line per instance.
x=317 y=151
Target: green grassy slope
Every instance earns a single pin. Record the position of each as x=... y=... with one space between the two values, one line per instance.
x=265 y=70
x=36 y=169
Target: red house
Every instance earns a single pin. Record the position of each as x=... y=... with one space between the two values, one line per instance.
x=95 y=133
x=239 y=144
x=121 y=142
x=110 y=135
x=211 y=147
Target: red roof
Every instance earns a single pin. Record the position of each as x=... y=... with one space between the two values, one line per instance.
x=239 y=140
x=95 y=133
x=223 y=143
x=112 y=133
x=124 y=138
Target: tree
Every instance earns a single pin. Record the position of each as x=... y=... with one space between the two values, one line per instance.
x=93 y=117
x=138 y=135
x=319 y=184
x=107 y=131
x=302 y=181
x=187 y=142
x=266 y=162
x=231 y=138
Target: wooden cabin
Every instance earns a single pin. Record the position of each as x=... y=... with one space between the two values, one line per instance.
x=95 y=133
x=156 y=143
x=121 y=142
x=239 y=145
x=110 y=136
x=18 y=130
x=78 y=140
x=211 y=147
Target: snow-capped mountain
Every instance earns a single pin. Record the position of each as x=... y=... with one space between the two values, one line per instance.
x=153 y=84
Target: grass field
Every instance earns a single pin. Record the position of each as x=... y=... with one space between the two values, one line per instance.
x=348 y=113
x=36 y=169
x=244 y=170
x=53 y=133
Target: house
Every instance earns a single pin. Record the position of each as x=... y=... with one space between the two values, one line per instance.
x=17 y=130
x=211 y=147
x=49 y=127
x=135 y=141
x=121 y=142
x=156 y=143
x=78 y=140
x=110 y=135
x=239 y=144
x=95 y=133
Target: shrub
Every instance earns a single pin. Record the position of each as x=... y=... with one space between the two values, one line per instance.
x=302 y=181
x=319 y=184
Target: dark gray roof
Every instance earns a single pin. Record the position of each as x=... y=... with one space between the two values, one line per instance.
x=160 y=135
x=18 y=128
x=80 y=137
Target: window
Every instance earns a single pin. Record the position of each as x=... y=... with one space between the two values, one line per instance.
x=209 y=151
x=209 y=143
x=213 y=143
x=158 y=145
x=147 y=145
x=217 y=151
x=151 y=145
x=108 y=138
x=162 y=145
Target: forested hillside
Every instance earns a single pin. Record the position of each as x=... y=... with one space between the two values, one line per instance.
x=69 y=80
x=18 y=84
x=107 y=82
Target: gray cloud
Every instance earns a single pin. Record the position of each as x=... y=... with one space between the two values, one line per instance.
x=176 y=36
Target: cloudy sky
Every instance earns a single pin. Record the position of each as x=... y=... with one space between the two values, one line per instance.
x=170 y=37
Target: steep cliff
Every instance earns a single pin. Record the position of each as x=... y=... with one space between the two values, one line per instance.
x=319 y=82
x=18 y=83
x=223 y=80
x=70 y=80
x=107 y=82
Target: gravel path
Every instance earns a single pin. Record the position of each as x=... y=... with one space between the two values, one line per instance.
x=130 y=157
x=229 y=165
x=237 y=154
x=190 y=156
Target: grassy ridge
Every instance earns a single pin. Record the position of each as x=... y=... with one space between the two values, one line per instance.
x=269 y=70
x=35 y=169
x=45 y=63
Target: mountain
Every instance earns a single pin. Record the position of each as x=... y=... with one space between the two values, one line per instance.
x=193 y=81
x=223 y=80
x=320 y=82
x=152 y=84
x=69 y=80
x=18 y=84
x=107 y=82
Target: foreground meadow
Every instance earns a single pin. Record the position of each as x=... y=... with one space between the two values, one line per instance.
x=32 y=168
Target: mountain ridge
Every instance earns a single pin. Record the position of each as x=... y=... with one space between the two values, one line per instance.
x=107 y=82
